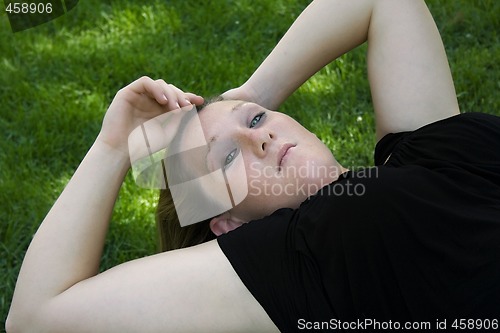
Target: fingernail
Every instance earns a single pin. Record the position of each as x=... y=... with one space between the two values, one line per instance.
x=178 y=106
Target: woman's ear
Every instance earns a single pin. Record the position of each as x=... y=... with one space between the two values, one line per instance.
x=224 y=223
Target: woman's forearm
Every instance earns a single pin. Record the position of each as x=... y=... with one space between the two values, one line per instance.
x=68 y=245
x=324 y=31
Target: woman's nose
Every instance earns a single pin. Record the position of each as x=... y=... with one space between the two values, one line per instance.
x=258 y=140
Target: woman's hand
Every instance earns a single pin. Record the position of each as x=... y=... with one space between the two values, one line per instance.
x=247 y=92
x=137 y=103
x=240 y=93
x=259 y=90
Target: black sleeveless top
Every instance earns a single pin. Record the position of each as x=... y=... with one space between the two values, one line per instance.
x=417 y=238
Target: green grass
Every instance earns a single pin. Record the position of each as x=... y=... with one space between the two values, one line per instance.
x=57 y=79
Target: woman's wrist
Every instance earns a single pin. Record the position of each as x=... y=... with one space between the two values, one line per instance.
x=252 y=93
x=241 y=93
x=117 y=157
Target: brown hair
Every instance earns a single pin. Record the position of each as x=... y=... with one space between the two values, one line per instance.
x=171 y=235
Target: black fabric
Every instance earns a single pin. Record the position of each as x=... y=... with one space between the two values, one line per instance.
x=421 y=242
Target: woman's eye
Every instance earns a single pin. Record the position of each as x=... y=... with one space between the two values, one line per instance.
x=255 y=121
x=230 y=157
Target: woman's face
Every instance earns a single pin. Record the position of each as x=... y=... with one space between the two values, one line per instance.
x=283 y=162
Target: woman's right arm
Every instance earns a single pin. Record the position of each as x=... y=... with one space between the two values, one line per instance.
x=188 y=290
x=410 y=80
x=59 y=288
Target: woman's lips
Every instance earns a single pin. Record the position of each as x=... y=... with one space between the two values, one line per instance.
x=283 y=152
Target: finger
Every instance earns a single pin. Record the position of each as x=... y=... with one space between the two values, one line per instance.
x=144 y=96
x=186 y=99
x=164 y=93
x=182 y=98
x=169 y=92
x=194 y=99
x=172 y=94
x=147 y=86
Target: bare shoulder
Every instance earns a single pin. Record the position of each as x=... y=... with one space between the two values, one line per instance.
x=189 y=290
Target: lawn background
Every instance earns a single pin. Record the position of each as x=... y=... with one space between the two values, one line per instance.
x=57 y=79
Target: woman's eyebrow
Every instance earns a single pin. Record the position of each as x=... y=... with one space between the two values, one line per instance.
x=209 y=147
x=213 y=139
x=238 y=106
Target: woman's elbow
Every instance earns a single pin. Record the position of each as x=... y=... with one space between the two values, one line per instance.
x=16 y=323
x=10 y=324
